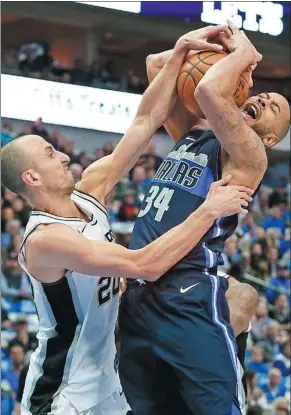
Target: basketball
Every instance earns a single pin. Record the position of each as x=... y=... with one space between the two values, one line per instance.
x=193 y=71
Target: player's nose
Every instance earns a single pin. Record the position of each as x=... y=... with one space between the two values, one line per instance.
x=263 y=102
x=65 y=159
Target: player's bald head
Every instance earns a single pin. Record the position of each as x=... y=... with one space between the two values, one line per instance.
x=15 y=160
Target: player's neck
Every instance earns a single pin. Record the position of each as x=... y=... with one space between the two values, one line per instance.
x=55 y=205
x=201 y=124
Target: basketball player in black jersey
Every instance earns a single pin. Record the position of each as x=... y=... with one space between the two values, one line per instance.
x=176 y=341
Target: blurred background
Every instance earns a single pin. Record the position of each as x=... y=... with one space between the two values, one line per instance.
x=74 y=72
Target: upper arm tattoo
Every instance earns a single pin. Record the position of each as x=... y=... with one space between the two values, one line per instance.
x=243 y=144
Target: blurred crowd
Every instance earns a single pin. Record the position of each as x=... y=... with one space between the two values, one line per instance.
x=258 y=251
x=35 y=61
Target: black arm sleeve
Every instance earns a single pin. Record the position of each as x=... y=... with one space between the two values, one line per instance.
x=22 y=378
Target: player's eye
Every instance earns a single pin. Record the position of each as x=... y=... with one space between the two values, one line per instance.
x=273 y=109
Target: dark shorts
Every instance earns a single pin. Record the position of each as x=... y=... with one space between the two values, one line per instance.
x=178 y=352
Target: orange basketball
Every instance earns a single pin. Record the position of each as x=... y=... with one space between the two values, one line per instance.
x=193 y=71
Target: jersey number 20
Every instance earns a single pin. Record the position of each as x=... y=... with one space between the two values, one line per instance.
x=158 y=200
x=107 y=288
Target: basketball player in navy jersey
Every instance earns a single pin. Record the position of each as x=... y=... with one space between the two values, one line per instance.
x=178 y=350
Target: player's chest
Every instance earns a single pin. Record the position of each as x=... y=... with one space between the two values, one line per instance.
x=98 y=230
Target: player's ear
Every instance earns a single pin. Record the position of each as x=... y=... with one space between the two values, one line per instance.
x=31 y=178
x=270 y=140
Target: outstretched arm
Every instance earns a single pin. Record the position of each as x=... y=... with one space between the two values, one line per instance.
x=155 y=107
x=214 y=95
x=55 y=248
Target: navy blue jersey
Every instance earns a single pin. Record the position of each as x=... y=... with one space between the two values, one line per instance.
x=179 y=187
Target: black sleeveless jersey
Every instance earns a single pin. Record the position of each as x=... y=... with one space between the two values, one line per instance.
x=179 y=187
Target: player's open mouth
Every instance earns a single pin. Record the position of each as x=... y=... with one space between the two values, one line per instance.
x=251 y=112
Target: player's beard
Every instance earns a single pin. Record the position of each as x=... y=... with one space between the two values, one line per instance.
x=62 y=191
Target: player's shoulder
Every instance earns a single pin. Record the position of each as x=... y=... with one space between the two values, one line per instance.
x=47 y=236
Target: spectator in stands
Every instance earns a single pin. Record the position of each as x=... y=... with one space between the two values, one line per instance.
x=274 y=220
x=286 y=260
x=255 y=410
x=253 y=392
x=66 y=77
x=249 y=223
x=9 y=60
x=281 y=311
x=26 y=130
x=34 y=59
x=231 y=254
x=84 y=160
x=13 y=227
x=99 y=153
x=272 y=257
x=138 y=183
x=21 y=209
x=278 y=197
x=128 y=210
x=12 y=230
x=7 y=215
x=7 y=397
x=10 y=284
x=9 y=196
x=274 y=388
x=260 y=322
x=13 y=281
x=282 y=360
x=5 y=322
x=71 y=152
x=152 y=159
x=77 y=171
x=94 y=74
x=272 y=236
x=7 y=133
x=285 y=244
x=108 y=148
x=109 y=77
x=79 y=74
x=281 y=282
x=270 y=342
x=258 y=235
x=39 y=129
x=17 y=354
x=27 y=340
x=257 y=363
x=281 y=406
x=257 y=256
x=56 y=140
x=134 y=84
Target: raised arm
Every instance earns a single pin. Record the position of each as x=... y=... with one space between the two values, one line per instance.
x=155 y=107
x=214 y=95
x=180 y=120
x=55 y=248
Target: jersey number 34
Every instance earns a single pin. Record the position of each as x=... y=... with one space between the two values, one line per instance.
x=160 y=201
